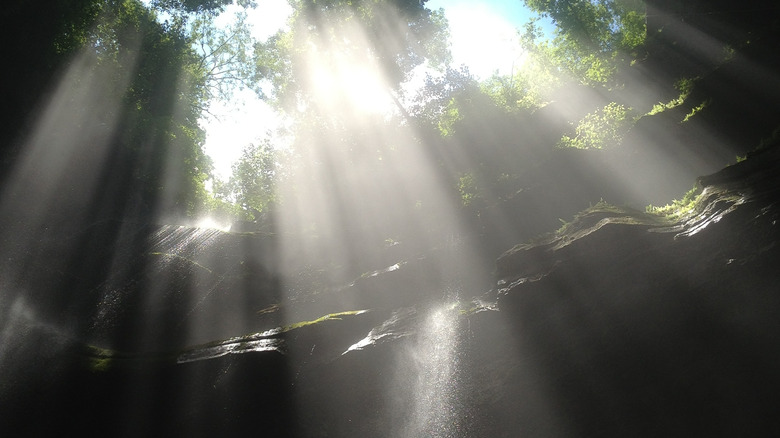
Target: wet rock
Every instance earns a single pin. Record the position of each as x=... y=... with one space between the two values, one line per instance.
x=620 y=324
x=650 y=329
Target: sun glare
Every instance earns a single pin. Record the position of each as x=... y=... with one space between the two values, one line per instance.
x=341 y=83
x=211 y=224
x=483 y=40
x=232 y=125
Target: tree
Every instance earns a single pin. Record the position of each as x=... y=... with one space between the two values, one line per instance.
x=327 y=72
x=42 y=37
x=593 y=38
x=389 y=38
x=602 y=129
x=157 y=143
x=436 y=102
x=193 y=6
x=252 y=183
x=225 y=55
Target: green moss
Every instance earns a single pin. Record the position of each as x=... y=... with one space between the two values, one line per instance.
x=473 y=307
x=592 y=216
x=330 y=317
x=97 y=359
x=100 y=360
x=100 y=364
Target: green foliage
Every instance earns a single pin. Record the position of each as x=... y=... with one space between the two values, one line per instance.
x=684 y=86
x=595 y=216
x=536 y=75
x=449 y=117
x=394 y=35
x=196 y=6
x=729 y=52
x=527 y=88
x=252 y=184
x=596 y=25
x=504 y=91
x=274 y=66
x=75 y=29
x=153 y=68
x=600 y=129
x=435 y=39
x=594 y=37
x=695 y=110
x=437 y=102
x=679 y=207
x=467 y=187
x=226 y=55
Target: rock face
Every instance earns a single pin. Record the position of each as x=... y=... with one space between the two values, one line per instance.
x=619 y=324
x=646 y=329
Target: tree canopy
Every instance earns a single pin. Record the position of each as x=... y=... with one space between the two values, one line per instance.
x=339 y=71
x=341 y=44
x=593 y=37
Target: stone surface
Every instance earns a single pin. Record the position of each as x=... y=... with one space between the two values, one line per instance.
x=619 y=324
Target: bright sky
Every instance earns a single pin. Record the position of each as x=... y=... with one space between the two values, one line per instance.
x=484 y=33
x=246 y=119
x=483 y=36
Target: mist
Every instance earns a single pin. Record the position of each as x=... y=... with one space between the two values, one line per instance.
x=585 y=244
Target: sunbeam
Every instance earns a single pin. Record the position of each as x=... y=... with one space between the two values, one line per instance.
x=414 y=227
x=347 y=84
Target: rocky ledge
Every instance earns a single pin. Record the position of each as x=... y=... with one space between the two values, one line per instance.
x=659 y=325
x=621 y=323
